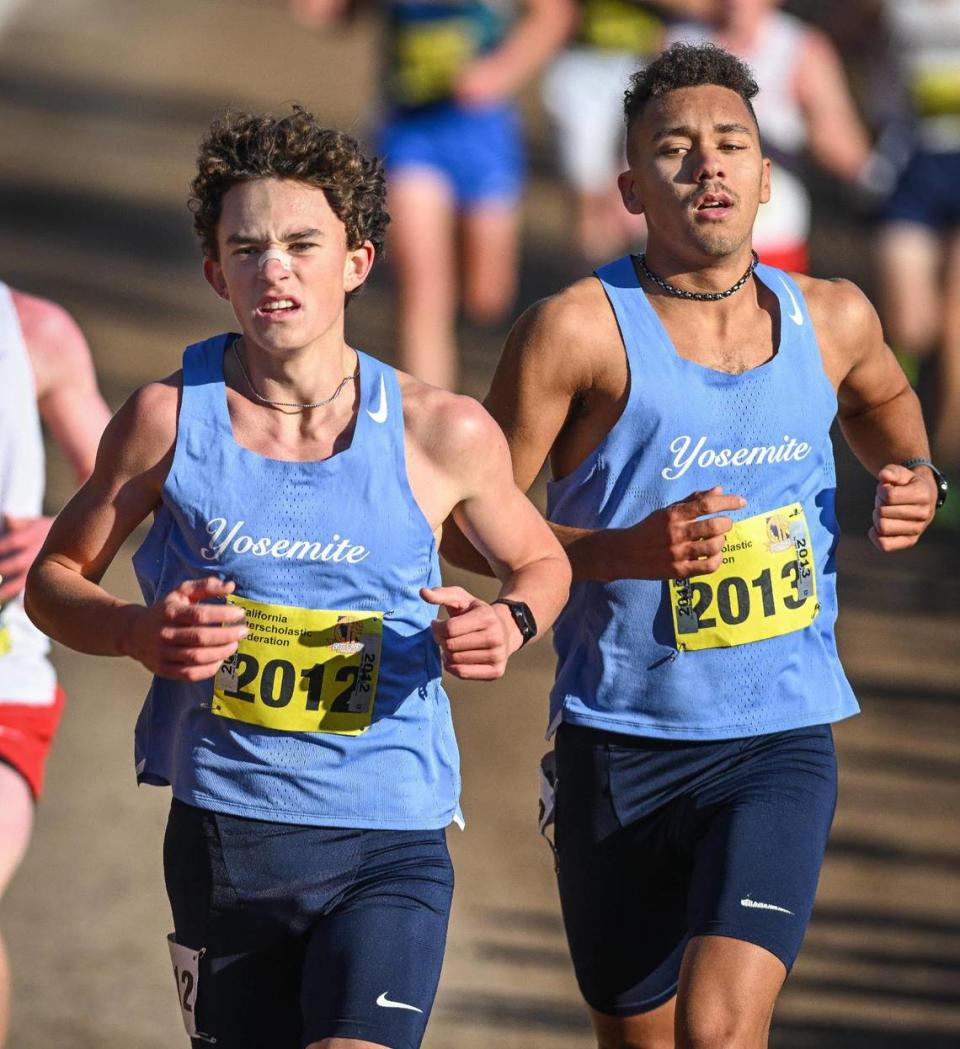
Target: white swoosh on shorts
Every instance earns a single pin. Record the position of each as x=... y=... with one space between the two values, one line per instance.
x=384 y=1002
x=747 y=902
x=380 y=415
x=795 y=315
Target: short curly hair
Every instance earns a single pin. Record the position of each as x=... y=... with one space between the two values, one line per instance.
x=688 y=65
x=240 y=147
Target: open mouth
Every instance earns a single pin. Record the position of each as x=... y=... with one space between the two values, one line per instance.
x=277 y=308
x=713 y=204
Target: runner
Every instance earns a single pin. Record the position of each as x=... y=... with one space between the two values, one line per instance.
x=45 y=362
x=919 y=242
x=583 y=93
x=454 y=156
x=804 y=106
x=300 y=722
x=685 y=400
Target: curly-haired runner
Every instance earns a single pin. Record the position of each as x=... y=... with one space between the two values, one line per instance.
x=291 y=584
x=697 y=673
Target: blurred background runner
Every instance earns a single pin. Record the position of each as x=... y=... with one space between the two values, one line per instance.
x=918 y=243
x=583 y=94
x=804 y=107
x=452 y=144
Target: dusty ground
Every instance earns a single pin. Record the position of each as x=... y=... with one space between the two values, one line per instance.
x=102 y=102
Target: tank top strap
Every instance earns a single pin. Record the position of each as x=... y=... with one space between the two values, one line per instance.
x=644 y=337
x=379 y=426
x=204 y=397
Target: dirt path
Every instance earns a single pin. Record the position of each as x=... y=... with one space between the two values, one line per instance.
x=102 y=102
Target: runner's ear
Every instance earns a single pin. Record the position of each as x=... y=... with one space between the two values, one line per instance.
x=213 y=273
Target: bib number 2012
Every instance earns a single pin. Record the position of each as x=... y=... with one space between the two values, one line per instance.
x=278 y=681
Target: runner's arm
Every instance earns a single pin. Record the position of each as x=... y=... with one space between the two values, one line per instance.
x=541 y=29
x=71 y=406
x=838 y=139
x=478 y=638
x=879 y=413
x=69 y=400
x=64 y=597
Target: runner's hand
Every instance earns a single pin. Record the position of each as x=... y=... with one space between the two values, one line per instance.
x=476 y=640
x=19 y=545
x=674 y=542
x=904 y=506
x=182 y=636
x=316 y=14
x=484 y=81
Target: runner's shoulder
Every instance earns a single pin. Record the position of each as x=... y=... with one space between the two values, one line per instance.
x=453 y=430
x=569 y=335
x=143 y=432
x=840 y=309
x=54 y=341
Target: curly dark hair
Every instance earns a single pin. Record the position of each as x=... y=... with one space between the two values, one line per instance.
x=240 y=147
x=688 y=65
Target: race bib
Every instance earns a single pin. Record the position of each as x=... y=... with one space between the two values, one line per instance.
x=936 y=91
x=765 y=587
x=620 y=25
x=427 y=59
x=302 y=669
x=6 y=642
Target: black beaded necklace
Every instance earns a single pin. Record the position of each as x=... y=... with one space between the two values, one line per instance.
x=700 y=296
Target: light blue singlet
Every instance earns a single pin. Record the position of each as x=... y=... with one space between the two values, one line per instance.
x=763 y=434
x=342 y=533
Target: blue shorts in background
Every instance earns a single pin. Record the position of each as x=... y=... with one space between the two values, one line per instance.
x=306 y=933
x=659 y=841
x=477 y=150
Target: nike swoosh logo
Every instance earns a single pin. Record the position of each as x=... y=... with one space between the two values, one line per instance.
x=380 y=415
x=747 y=902
x=383 y=1001
x=796 y=316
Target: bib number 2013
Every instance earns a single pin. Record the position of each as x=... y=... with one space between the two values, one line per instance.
x=765 y=587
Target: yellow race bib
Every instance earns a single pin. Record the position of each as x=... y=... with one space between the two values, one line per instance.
x=619 y=25
x=302 y=669
x=765 y=587
x=427 y=59
x=6 y=644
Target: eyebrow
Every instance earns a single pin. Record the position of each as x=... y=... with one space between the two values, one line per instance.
x=684 y=131
x=286 y=238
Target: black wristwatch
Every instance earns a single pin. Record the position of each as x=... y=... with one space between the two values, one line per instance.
x=942 y=486
x=522 y=616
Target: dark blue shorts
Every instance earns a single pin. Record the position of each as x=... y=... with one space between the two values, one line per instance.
x=926 y=192
x=659 y=841
x=477 y=151
x=305 y=933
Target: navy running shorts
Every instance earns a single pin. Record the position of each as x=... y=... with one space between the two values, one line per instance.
x=659 y=841
x=926 y=193
x=288 y=934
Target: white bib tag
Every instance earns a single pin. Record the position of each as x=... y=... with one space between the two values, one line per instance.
x=186 y=965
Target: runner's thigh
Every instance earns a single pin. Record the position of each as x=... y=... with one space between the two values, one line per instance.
x=372 y=964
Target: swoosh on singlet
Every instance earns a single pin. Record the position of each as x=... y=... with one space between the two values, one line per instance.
x=380 y=415
x=796 y=316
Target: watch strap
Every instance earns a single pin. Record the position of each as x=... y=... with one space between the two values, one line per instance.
x=941 y=481
x=522 y=616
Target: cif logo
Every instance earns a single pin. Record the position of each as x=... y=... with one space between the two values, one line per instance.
x=346 y=636
x=778 y=533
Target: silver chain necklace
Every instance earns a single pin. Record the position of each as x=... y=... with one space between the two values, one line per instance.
x=287 y=404
x=700 y=296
